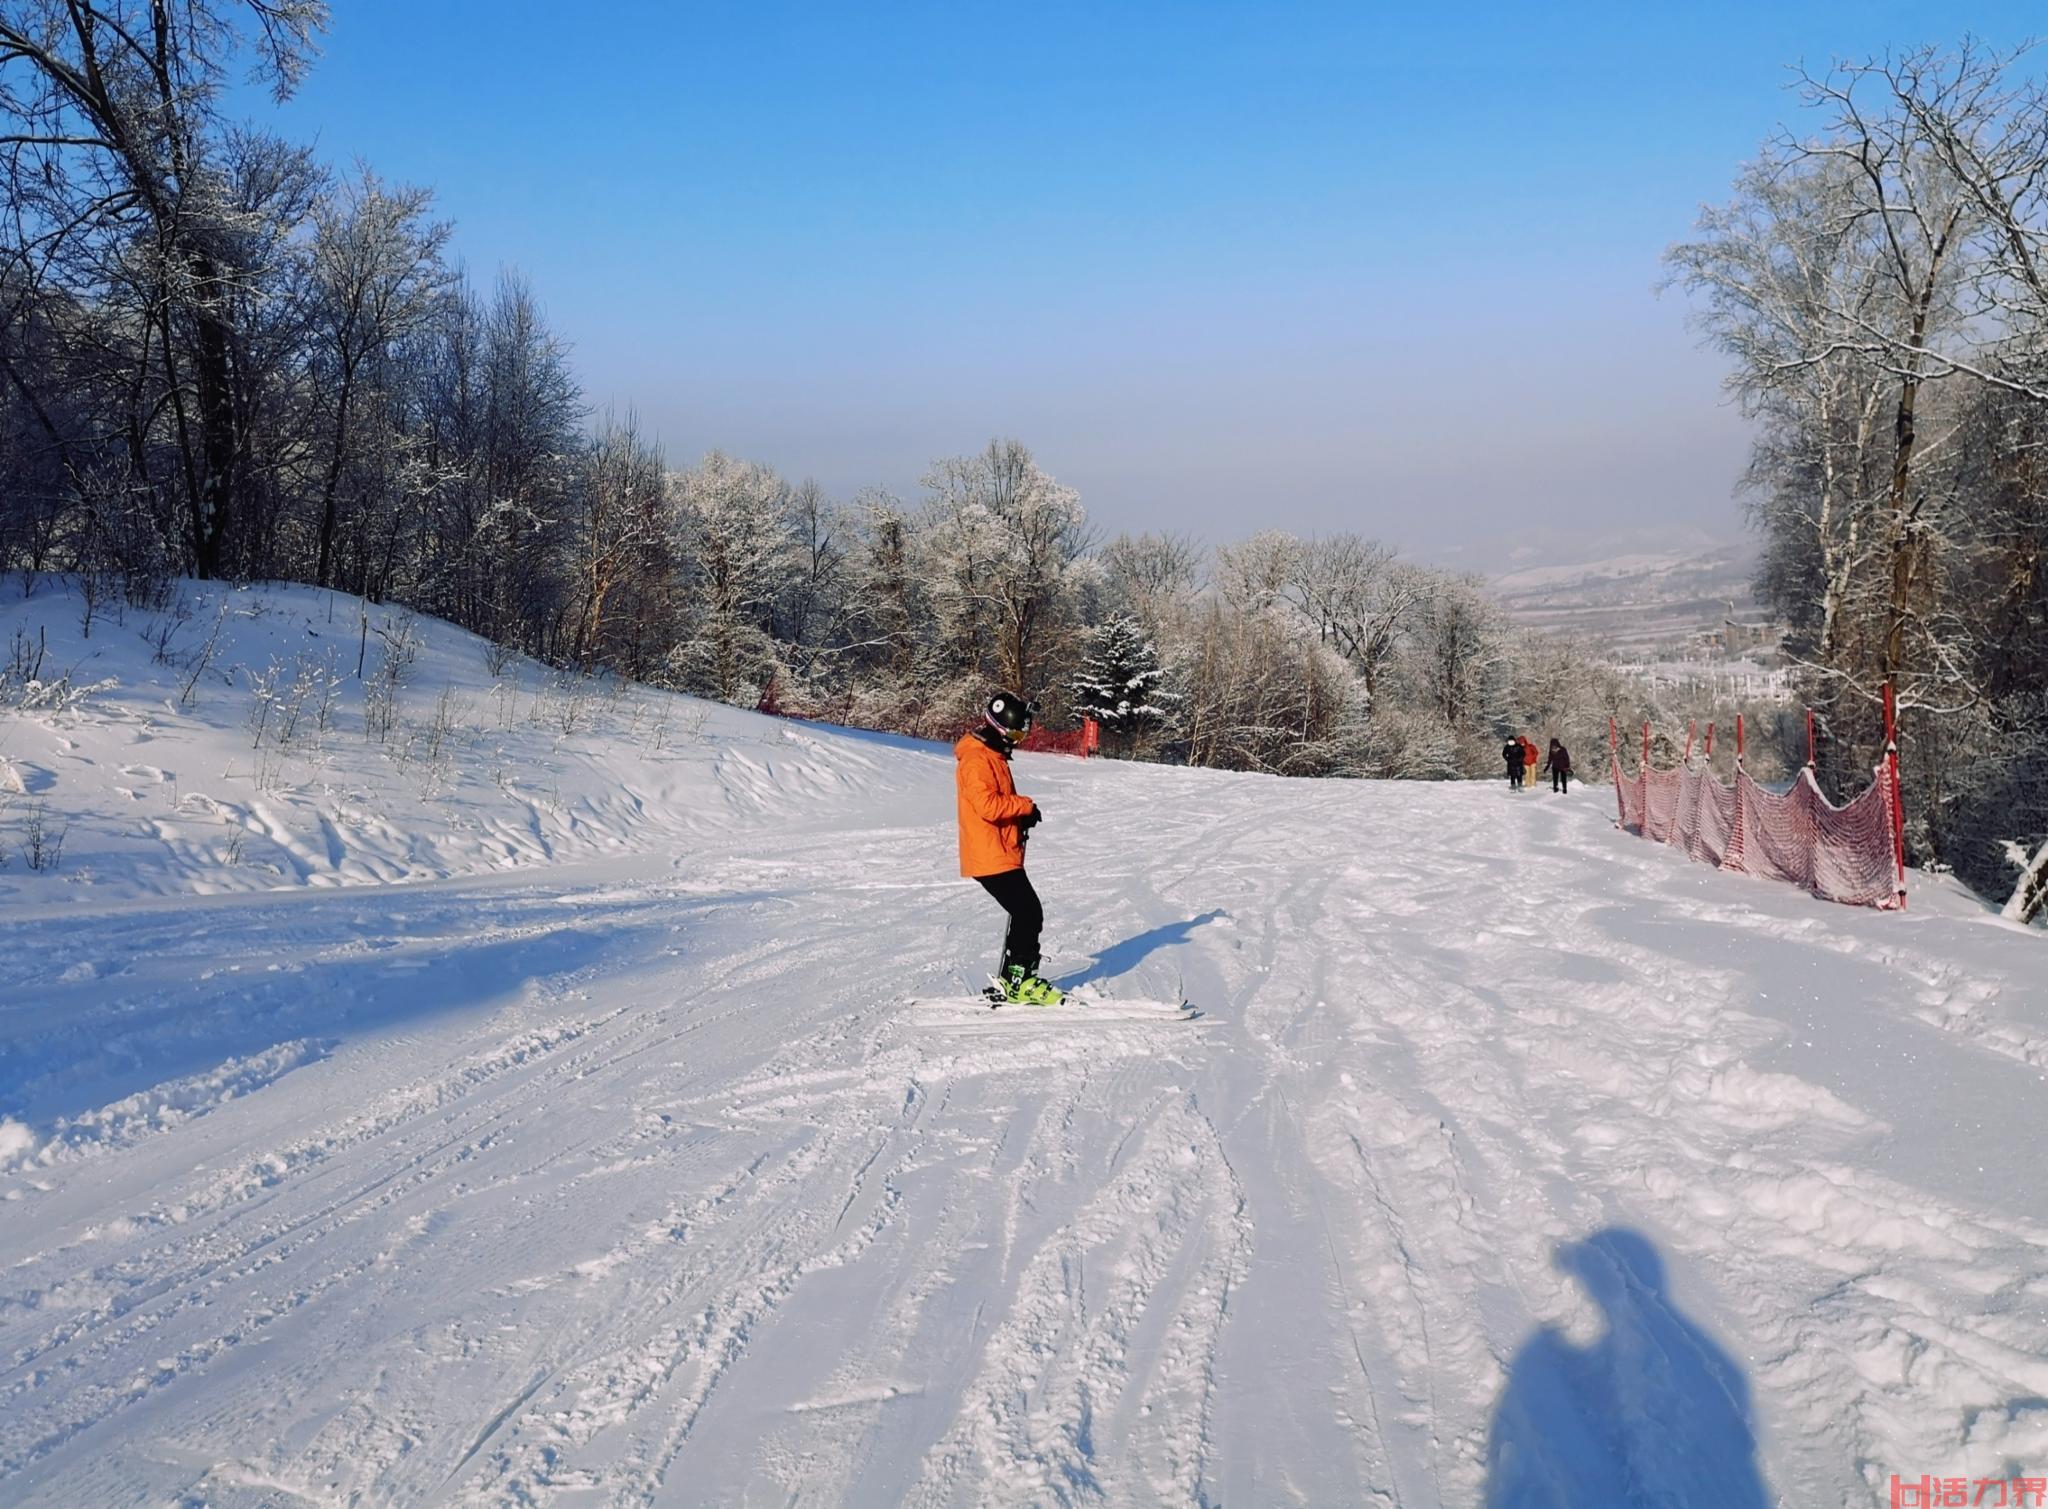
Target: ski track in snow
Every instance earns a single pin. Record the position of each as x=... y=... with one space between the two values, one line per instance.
x=691 y=1176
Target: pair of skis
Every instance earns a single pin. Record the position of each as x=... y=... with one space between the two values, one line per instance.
x=1084 y=1001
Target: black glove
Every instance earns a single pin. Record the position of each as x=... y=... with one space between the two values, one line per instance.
x=1031 y=819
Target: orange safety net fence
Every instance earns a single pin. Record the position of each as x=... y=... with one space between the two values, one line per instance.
x=1852 y=853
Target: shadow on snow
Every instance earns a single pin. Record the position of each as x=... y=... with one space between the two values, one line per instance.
x=185 y=990
x=1122 y=958
x=1653 y=1412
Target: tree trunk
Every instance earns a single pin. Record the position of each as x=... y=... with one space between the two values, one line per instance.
x=1824 y=528
x=331 y=484
x=1903 y=547
x=2030 y=896
x=1905 y=541
x=219 y=429
x=2008 y=671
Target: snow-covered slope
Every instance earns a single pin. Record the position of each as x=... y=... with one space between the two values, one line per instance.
x=649 y=1158
x=211 y=767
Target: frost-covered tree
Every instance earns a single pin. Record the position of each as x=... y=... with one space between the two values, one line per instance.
x=811 y=602
x=1119 y=683
x=624 y=567
x=1000 y=541
x=1359 y=597
x=1258 y=693
x=1880 y=287
x=1153 y=577
x=1459 y=660
x=145 y=224
x=733 y=531
x=377 y=278
x=886 y=619
x=495 y=417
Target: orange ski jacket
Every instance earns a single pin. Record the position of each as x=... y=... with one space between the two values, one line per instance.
x=989 y=809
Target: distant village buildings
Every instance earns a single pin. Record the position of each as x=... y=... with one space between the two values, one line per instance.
x=1740 y=660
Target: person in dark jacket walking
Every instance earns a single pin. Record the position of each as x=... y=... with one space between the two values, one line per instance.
x=1512 y=753
x=1560 y=767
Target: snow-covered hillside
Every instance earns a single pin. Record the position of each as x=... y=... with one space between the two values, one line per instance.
x=568 y=1098
x=281 y=736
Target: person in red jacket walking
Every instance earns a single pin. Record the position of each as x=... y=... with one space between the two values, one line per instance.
x=994 y=821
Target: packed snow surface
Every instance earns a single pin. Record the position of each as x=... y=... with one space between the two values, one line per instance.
x=574 y=1097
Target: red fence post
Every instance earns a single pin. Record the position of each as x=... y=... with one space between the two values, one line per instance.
x=1809 y=738
x=1891 y=761
x=1690 y=725
x=1646 y=751
x=1091 y=736
x=1738 y=738
x=1710 y=743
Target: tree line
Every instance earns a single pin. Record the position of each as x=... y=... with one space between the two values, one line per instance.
x=1879 y=281
x=221 y=357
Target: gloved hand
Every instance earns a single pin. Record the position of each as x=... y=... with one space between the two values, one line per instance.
x=1031 y=819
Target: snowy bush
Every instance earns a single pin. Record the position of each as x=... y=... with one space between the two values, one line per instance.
x=25 y=688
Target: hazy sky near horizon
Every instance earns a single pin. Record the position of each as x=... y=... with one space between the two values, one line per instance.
x=1222 y=267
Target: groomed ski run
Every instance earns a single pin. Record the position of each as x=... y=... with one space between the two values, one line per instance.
x=637 y=1138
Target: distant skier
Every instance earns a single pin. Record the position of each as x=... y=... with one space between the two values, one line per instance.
x=994 y=820
x=1560 y=767
x=1531 y=757
x=1511 y=752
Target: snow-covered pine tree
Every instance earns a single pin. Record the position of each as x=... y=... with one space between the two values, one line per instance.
x=1118 y=684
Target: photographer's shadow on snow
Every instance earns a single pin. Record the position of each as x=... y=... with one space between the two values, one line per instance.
x=1653 y=1412
x=1122 y=958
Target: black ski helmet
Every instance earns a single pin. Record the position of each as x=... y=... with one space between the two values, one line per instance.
x=1009 y=715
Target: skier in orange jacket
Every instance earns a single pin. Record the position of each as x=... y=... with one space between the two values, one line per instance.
x=994 y=821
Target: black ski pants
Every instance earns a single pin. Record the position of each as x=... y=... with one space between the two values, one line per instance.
x=1515 y=768
x=1012 y=891
x=1560 y=778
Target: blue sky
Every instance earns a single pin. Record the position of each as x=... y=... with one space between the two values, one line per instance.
x=1222 y=267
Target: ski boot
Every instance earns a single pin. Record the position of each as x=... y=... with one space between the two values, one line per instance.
x=1020 y=987
x=1045 y=993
